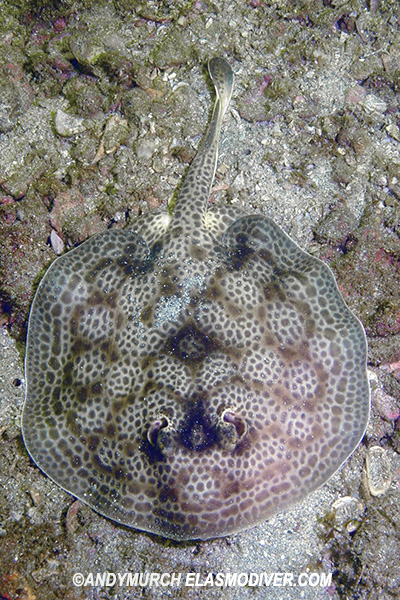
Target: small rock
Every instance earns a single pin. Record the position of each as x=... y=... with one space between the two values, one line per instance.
x=47 y=571
x=299 y=101
x=387 y=405
x=145 y=149
x=84 y=97
x=172 y=48
x=377 y=466
x=72 y=522
x=67 y=125
x=373 y=104
x=355 y=94
x=115 y=132
x=56 y=242
x=36 y=497
x=15 y=95
x=393 y=131
x=86 y=50
x=336 y=226
x=76 y=215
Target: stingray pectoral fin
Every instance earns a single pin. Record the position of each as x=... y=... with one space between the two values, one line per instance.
x=254 y=235
x=103 y=260
x=75 y=317
x=304 y=321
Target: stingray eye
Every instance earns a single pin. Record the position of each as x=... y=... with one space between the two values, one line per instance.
x=160 y=435
x=232 y=429
x=237 y=422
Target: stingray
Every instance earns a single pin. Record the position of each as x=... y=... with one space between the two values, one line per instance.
x=197 y=372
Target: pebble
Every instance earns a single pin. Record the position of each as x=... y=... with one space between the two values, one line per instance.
x=56 y=242
x=71 y=521
x=15 y=94
x=49 y=570
x=386 y=405
x=67 y=125
x=115 y=132
x=336 y=226
x=393 y=131
x=355 y=94
x=145 y=149
x=372 y=104
x=377 y=467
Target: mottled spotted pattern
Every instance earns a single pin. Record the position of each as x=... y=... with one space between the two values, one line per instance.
x=192 y=376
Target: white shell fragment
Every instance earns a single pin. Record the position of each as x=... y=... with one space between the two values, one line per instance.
x=347 y=512
x=377 y=464
x=56 y=242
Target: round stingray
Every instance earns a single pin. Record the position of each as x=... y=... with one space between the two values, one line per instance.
x=196 y=378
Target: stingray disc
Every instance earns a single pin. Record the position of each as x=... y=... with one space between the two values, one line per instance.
x=191 y=376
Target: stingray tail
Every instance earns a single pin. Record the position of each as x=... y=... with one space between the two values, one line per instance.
x=194 y=195
x=222 y=77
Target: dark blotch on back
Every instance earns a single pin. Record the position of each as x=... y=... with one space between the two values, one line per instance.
x=152 y=452
x=240 y=254
x=191 y=345
x=197 y=433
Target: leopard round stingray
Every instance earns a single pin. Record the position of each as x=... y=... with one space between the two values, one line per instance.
x=191 y=376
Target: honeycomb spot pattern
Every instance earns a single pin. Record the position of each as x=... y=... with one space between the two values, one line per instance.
x=192 y=376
